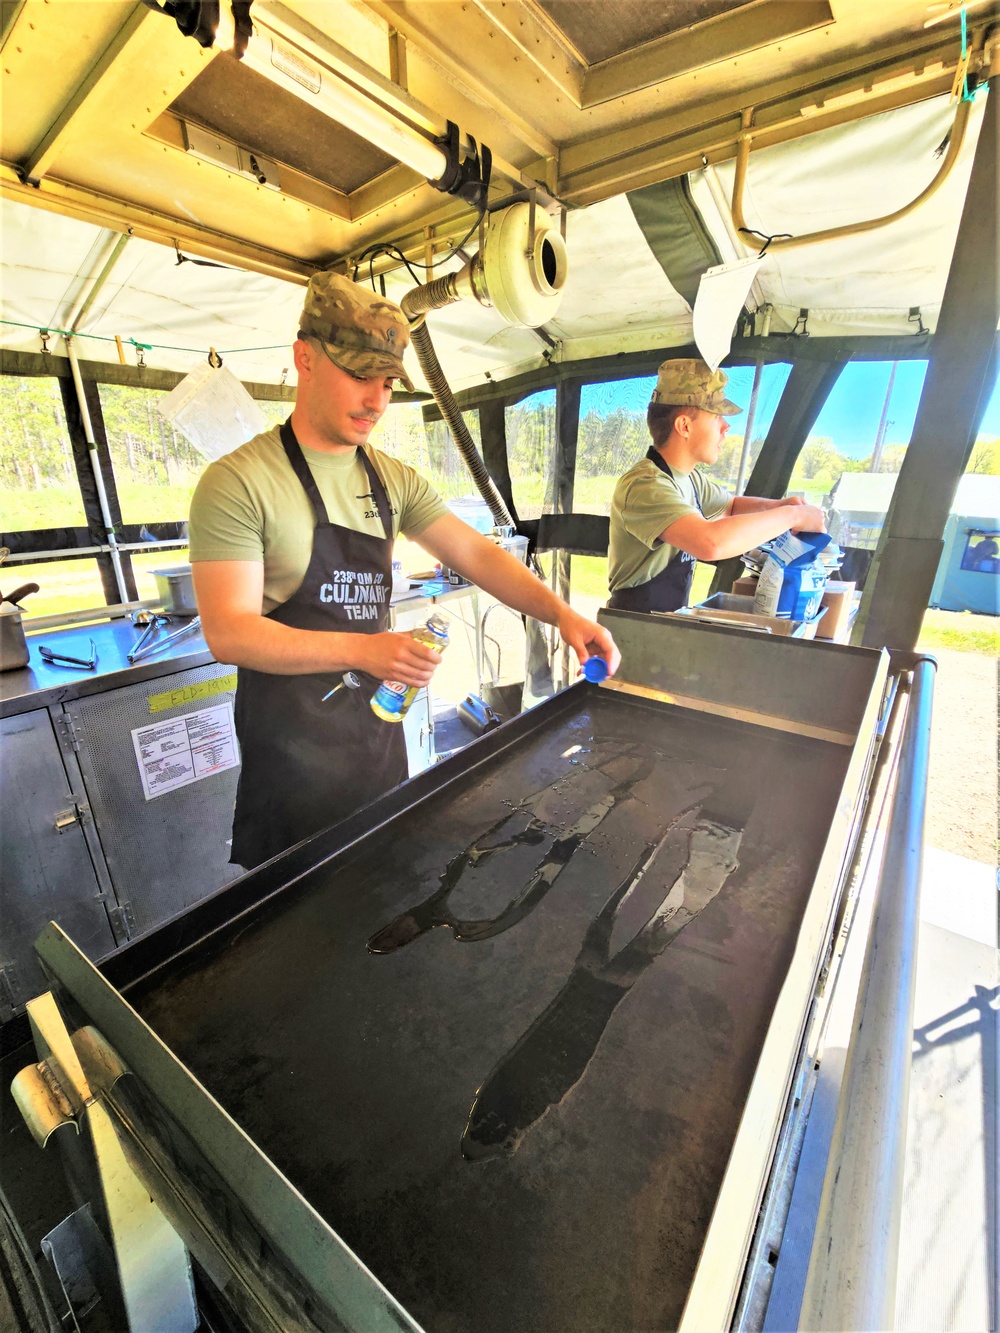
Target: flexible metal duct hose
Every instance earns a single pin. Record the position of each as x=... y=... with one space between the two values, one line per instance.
x=432 y=296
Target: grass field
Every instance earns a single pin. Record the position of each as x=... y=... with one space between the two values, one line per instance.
x=62 y=507
x=961 y=631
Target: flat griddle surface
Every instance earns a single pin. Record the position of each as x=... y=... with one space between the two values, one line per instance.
x=611 y=1074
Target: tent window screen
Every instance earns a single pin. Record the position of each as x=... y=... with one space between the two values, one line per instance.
x=143 y=565
x=155 y=468
x=38 y=479
x=427 y=447
x=531 y=433
x=864 y=426
x=982 y=553
x=612 y=437
x=613 y=432
x=63 y=586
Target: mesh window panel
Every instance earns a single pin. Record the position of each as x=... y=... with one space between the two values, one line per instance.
x=985 y=457
x=739 y=390
x=864 y=426
x=428 y=447
x=588 y=581
x=166 y=853
x=156 y=469
x=613 y=432
x=612 y=437
x=531 y=437
x=144 y=563
x=38 y=483
x=63 y=586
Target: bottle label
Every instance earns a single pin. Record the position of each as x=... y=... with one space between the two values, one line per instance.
x=391 y=696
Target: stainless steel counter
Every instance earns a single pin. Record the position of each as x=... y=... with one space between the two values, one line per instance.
x=40 y=685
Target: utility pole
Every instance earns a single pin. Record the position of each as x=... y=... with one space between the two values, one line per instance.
x=884 y=424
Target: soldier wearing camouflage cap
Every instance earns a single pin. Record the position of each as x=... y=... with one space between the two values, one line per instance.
x=291 y=540
x=360 y=331
x=666 y=513
x=690 y=383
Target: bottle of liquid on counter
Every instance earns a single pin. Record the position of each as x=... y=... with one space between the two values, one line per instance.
x=392 y=699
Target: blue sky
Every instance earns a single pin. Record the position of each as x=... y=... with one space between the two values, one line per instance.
x=849 y=417
x=851 y=414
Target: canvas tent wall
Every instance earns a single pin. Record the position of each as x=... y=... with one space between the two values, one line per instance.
x=968 y=577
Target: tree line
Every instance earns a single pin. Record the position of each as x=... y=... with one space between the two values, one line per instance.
x=35 y=450
x=34 y=438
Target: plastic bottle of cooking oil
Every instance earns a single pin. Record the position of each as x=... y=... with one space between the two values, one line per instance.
x=392 y=698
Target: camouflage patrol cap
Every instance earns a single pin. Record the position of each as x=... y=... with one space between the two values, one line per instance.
x=361 y=332
x=689 y=383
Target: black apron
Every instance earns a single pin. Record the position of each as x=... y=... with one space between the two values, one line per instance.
x=307 y=764
x=668 y=590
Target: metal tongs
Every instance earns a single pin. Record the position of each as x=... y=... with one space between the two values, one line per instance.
x=152 y=620
x=64 y=659
x=159 y=644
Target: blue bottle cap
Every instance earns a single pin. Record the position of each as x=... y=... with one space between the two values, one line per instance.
x=595 y=669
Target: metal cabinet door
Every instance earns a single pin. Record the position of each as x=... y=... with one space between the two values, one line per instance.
x=166 y=853
x=46 y=874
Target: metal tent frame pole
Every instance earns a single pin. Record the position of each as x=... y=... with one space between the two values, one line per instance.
x=956 y=390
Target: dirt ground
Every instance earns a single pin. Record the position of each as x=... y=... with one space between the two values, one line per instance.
x=962 y=804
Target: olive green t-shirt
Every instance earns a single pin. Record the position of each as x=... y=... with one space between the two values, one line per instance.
x=645 y=503
x=250 y=505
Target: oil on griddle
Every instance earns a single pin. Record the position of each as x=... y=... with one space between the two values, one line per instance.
x=551 y=1057
x=519 y=1110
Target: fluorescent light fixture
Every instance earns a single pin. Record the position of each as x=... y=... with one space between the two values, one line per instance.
x=314 y=83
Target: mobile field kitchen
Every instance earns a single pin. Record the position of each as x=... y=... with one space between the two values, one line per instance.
x=539 y=1040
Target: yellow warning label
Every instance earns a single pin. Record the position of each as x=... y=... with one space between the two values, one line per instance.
x=186 y=694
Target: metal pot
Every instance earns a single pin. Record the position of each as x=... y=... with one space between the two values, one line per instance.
x=176 y=590
x=13 y=645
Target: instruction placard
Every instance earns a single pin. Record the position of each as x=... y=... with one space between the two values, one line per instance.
x=182 y=750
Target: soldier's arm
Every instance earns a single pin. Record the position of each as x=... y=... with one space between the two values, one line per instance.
x=230 y=598
x=732 y=534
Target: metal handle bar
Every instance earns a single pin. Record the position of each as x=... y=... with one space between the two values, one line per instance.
x=852 y=1269
x=731 y=624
